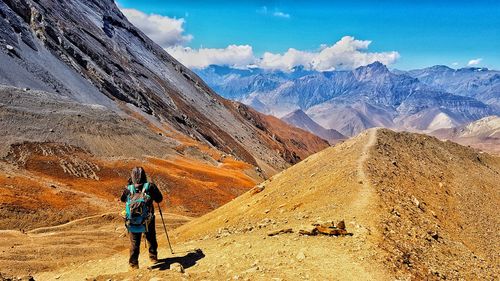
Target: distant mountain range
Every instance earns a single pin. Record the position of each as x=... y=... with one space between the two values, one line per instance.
x=483 y=134
x=369 y=96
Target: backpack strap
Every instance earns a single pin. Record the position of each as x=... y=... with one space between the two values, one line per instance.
x=131 y=188
x=145 y=188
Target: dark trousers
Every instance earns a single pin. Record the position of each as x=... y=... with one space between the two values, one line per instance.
x=135 y=244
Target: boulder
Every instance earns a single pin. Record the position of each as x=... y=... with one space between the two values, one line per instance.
x=259 y=188
x=300 y=256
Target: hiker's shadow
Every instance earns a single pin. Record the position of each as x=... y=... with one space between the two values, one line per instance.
x=186 y=261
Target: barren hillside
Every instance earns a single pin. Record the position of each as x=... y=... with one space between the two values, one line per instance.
x=88 y=52
x=85 y=96
x=414 y=208
x=63 y=160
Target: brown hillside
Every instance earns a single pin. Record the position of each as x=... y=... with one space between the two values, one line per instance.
x=61 y=160
x=440 y=201
x=89 y=53
x=417 y=208
x=71 y=160
x=483 y=134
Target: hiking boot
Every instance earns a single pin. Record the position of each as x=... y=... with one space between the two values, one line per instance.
x=133 y=266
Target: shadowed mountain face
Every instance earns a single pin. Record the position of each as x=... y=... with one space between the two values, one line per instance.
x=369 y=96
x=300 y=119
x=480 y=83
x=88 y=52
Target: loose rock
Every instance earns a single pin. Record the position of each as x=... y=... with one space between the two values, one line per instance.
x=300 y=256
x=341 y=225
x=177 y=267
x=280 y=231
x=308 y=230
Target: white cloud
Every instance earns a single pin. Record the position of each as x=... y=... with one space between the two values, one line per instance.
x=347 y=53
x=474 y=62
x=163 y=30
x=281 y=15
x=277 y=13
x=239 y=56
x=286 y=61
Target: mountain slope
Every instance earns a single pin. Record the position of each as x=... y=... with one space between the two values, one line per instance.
x=62 y=160
x=417 y=208
x=480 y=83
x=89 y=52
x=483 y=134
x=85 y=96
x=301 y=120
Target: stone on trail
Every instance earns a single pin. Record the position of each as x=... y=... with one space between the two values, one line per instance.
x=300 y=256
x=279 y=231
x=177 y=267
x=259 y=188
x=341 y=225
x=308 y=230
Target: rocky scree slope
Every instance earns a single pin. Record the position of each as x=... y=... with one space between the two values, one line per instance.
x=89 y=52
x=419 y=208
x=62 y=160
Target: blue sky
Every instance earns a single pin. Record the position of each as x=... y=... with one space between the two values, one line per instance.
x=422 y=33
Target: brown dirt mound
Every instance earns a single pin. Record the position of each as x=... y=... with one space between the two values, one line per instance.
x=440 y=201
x=419 y=208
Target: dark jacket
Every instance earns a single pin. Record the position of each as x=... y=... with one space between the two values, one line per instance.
x=153 y=191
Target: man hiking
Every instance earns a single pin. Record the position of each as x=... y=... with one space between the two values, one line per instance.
x=139 y=196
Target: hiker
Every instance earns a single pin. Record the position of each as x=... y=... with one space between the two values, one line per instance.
x=139 y=196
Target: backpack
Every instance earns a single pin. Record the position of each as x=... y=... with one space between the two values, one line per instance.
x=137 y=213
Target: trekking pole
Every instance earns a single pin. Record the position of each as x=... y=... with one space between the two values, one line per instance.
x=164 y=227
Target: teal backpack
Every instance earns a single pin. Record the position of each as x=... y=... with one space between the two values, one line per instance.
x=137 y=212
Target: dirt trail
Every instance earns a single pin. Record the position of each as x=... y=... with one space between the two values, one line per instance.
x=48 y=229
x=113 y=264
x=366 y=193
